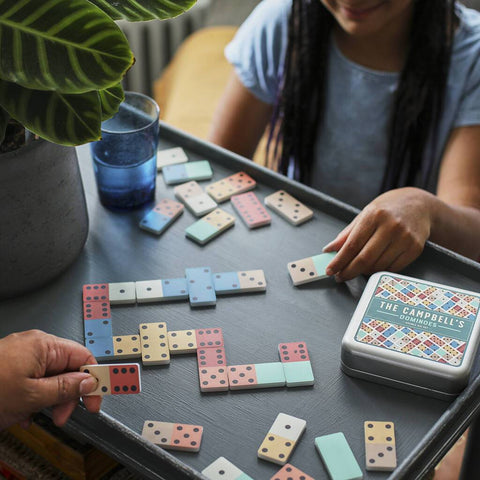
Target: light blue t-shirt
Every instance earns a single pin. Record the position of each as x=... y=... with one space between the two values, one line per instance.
x=352 y=143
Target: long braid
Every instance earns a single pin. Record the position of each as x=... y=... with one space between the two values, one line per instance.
x=418 y=104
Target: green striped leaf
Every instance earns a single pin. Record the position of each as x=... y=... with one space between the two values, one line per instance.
x=4 y=118
x=136 y=10
x=67 y=45
x=61 y=118
x=110 y=99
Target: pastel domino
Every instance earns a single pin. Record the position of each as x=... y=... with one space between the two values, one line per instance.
x=251 y=211
x=296 y=364
x=115 y=379
x=288 y=207
x=154 y=342
x=174 y=174
x=281 y=439
x=127 y=346
x=289 y=472
x=170 y=156
x=210 y=226
x=162 y=216
x=122 y=293
x=237 y=183
x=222 y=469
x=239 y=282
x=161 y=290
x=258 y=375
x=173 y=436
x=195 y=199
x=310 y=269
x=380 y=451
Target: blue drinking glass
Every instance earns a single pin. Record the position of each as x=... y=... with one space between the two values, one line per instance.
x=125 y=159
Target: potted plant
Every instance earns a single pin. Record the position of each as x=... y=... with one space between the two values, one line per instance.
x=61 y=66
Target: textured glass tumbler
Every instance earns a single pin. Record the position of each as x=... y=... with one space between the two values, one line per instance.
x=125 y=159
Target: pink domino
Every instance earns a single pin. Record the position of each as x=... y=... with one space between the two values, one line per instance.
x=95 y=292
x=173 y=436
x=252 y=212
x=242 y=377
x=289 y=472
x=115 y=379
x=169 y=208
x=293 y=352
x=213 y=379
x=96 y=310
x=237 y=183
x=211 y=357
x=209 y=337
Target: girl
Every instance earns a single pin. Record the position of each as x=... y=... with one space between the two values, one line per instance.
x=375 y=102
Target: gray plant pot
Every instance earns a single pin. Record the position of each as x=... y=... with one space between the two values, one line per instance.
x=43 y=215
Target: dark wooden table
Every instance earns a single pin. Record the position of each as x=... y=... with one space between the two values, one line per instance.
x=253 y=324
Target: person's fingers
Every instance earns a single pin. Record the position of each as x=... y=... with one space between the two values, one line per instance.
x=61 y=413
x=389 y=255
x=363 y=262
x=93 y=403
x=357 y=239
x=339 y=240
x=58 y=389
x=404 y=259
x=65 y=355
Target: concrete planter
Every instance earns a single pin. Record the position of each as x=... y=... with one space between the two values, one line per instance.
x=43 y=215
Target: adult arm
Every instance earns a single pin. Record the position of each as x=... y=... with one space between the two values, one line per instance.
x=240 y=119
x=391 y=231
x=40 y=370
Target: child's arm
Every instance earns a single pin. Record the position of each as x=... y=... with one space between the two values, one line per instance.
x=240 y=119
x=391 y=231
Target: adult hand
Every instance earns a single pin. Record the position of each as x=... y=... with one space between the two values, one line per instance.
x=388 y=234
x=39 y=370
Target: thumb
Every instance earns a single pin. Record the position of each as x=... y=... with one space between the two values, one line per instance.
x=63 y=388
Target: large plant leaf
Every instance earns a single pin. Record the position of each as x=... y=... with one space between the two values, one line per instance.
x=136 y=10
x=4 y=118
x=67 y=45
x=110 y=99
x=67 y=119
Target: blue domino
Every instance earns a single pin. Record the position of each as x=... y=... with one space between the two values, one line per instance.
x=226 y=282
x=175 y=288
x=201 y=290
x=186 y=172
x=98 y=328
x=298 y=374
x=155 y=222
x=101 y=347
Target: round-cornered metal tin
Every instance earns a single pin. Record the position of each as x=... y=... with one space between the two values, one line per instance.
x=413 y=334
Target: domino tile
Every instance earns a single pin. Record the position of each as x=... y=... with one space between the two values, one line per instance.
x=223 y=469
x=276 y=449
x=161 y=290
x=213 y=379
x=127 y=346
x=173 y=436
x=288 y=426
x=289 y=472
x=201 y=291
x=293 y=352
x=288 y=207
x=338 y=457
x=97 y=328
x=182 y=341
x=170 y=156
x=380 y=448
x=162 y=216
x=122 y=293
x=95 y=292
x=154 y=343
x=260 y=375
x=310 y=269
x=175 y=174
x=97 y=310
x=101 y=347
x=298 y=374
x=239 y=282
x=201 y=204
x=251 y=211
x=115 y=379
x=209 y=337
x=187 y=190
x=211 y=357
x=210 y=226
x=237 y=183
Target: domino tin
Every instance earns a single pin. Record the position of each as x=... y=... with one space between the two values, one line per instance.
x=414 y=335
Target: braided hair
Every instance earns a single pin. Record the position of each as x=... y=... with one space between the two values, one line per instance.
x=417 y=106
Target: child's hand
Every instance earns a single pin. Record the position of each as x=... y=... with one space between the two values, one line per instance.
x=388 y=234
x=40 y=370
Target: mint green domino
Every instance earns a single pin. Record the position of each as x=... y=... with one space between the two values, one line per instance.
x=244 y=476
x=200 y=170
x=338 y=457
x=201 y=231
x=321 y=261
x=298 y=374
x=270 y=374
